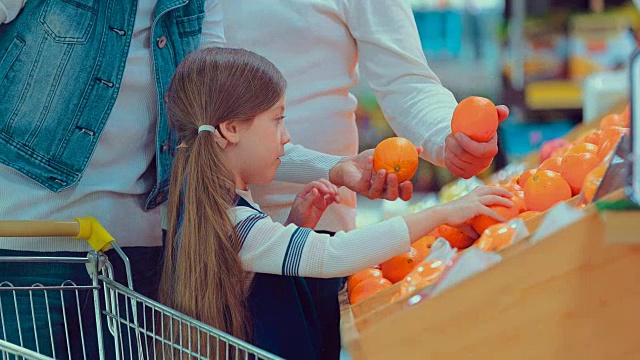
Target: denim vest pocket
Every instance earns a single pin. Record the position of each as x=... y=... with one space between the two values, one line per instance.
x=10 y=56
x=189 y=29
x=69 y=21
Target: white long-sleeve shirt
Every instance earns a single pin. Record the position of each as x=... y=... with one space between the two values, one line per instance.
x=9 y=10
x=115 y=183
x=270 y=247
x=320 y=45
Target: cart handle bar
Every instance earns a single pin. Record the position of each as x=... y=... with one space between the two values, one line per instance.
x=87 y=228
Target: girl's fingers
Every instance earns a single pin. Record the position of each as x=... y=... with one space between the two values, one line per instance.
x=492 y=214
x=493 y=190
x=496 y=200
x=468 y=230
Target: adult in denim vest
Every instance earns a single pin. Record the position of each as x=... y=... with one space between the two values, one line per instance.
x=63 y=65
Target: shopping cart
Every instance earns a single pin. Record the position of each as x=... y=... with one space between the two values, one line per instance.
x=43 y=321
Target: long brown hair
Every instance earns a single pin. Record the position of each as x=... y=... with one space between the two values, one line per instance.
x=202 y=275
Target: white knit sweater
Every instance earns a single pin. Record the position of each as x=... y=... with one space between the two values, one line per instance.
x=320 y=45
x=270 y=247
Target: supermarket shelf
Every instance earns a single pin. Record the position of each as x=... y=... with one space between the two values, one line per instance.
x=571 y=295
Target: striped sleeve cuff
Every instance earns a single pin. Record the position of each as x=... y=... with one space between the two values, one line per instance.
x=347 y=253
x=293 y=255
x=243 y=228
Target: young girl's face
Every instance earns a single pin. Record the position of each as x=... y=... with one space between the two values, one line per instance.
x=261 y=145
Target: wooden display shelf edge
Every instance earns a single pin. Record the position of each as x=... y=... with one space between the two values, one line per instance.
x=572 y=295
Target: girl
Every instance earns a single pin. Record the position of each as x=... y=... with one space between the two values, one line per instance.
x=227 y=263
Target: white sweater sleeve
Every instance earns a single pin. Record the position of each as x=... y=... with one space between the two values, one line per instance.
x=301 y=165
x=212 y=27
x=411 y=96
x=9 y=9
x=272 y=248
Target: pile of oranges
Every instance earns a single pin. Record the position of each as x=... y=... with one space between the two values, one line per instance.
x=365 y=283
x=572 y=168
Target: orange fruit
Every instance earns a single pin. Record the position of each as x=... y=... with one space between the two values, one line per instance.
x=553 y=163
x=367 y=288
x=612 y=133
x=423 y=246
x=361 y=275
x=591 y=137
x=455 y=237
x=606 y=149
x=575 y=168
x=611 y=120
x=592 y=181
x=522 y=179
x=518 y=202
x=475 y=117
x=526 y=215
x=481 y=222
x=582 y=148
x=511 y=187
x=396 y=268
x=496 y=237
x=423 y=275
x=625 y=115
x=562 y=150
x=397 y=156
x=545 y=189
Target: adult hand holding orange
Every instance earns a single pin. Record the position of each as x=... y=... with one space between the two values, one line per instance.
x=473 y=141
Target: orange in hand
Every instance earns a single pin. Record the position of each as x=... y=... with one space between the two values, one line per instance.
x=397 y=156
x=545 y=189
x=455 y=237
x=396 y=268
x=475 y=117
x=362 y=275
x=481 y=222
x=367 y=288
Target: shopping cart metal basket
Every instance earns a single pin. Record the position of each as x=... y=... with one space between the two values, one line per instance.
x=48 y=320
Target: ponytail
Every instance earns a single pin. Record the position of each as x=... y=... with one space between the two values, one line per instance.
x=203 y=275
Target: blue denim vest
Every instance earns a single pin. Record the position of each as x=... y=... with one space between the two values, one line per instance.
x=61 y=63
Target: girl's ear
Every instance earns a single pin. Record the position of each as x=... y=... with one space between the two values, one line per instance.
x=230 y=130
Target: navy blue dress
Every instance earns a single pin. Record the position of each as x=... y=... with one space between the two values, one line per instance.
x=284 y=315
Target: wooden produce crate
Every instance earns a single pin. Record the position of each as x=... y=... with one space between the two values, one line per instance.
x=571 y=295
x=383 y=303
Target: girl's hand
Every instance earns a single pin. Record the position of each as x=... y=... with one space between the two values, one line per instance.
x=311 y=203
x=476 y=203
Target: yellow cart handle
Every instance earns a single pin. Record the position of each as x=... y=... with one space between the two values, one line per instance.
x=87 y=228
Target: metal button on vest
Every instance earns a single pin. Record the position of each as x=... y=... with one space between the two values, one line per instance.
x=162 y=41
